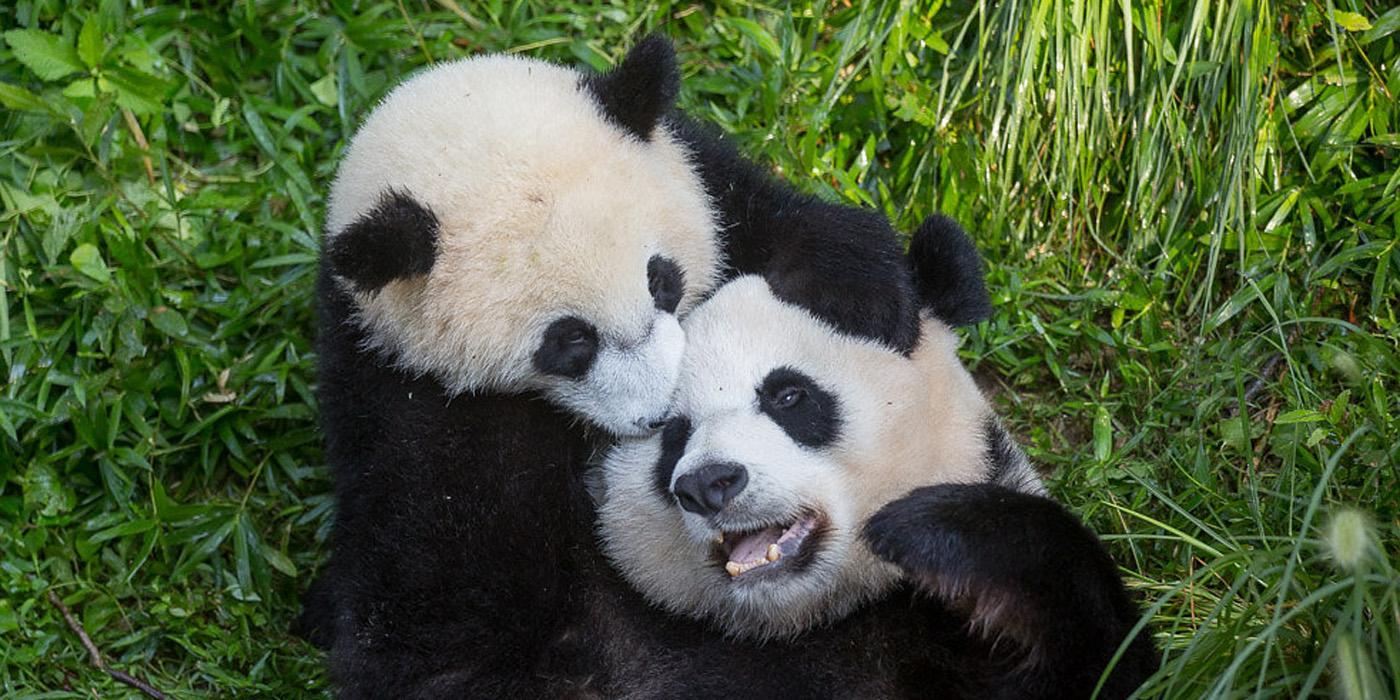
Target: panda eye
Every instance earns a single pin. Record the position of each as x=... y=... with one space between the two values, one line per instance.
x=665 y=283
x=789 y=397
x=567 y=349
x=808 y=413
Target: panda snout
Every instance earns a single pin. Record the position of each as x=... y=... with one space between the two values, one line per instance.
x=707 y=490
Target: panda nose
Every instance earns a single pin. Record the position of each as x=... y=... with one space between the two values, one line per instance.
x=707 y=490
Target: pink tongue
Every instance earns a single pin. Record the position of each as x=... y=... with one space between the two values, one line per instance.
x=754 y=546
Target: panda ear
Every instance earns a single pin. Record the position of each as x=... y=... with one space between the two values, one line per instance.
x=636 y=93
x=394 y=240
x=948 y=272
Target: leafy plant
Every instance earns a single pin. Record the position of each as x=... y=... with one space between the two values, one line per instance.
x=1189 y=210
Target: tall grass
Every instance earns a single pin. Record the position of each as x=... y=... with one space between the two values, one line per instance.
x=1189 y=210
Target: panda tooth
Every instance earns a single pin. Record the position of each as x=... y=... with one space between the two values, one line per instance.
x=774 y=553
x=733 y=569
x=719 y=537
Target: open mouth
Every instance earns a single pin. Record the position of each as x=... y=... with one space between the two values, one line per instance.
x=788 y=546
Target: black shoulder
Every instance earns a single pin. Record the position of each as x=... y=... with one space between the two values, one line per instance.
x=844 y=264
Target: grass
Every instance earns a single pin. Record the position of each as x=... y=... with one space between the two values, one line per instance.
x=1191 y=212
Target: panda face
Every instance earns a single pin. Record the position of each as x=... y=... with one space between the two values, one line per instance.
x=786 y=437
x=622 y=381
x=561 y=244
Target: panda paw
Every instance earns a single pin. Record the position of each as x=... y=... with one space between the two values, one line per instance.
x=1019 y=565
x=966 y=530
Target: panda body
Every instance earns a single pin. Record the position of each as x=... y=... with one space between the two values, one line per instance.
x=509 y=245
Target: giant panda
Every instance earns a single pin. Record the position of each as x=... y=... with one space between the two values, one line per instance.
x=509 y=244
x=806 y=473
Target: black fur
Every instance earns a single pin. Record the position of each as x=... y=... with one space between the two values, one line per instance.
x=454 y=525
x=316 y=622
x=673 y=440
x=666 y=282
x=1026 y=570
x=809 y=414
x=949 y=272
x=844 y=264
x=568 y=348
x=464 y=562
x=641 y=89
x=841 y=263
x=394 y=240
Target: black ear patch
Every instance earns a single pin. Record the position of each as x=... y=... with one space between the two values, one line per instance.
x=636 y=93
x=673 y=440
x=809 y=414
x=394 y=240
x=948 y=271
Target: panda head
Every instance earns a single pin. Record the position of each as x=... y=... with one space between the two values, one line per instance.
x=506 y=224
x=786 y=437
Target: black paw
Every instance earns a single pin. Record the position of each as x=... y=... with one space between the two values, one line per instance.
x=1025 y=569
x=1020 y=566
x=982 y=533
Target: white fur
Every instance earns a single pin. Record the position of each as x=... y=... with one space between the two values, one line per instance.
x=546 y=209
x=906 y=422
x=635 y=380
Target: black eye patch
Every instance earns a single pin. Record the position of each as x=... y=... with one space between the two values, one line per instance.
x=806 y=412
x=666 y=282
x=673 y=440
x=569 y=346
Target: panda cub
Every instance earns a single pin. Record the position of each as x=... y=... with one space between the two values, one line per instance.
x=806 y=473
x=513 y=240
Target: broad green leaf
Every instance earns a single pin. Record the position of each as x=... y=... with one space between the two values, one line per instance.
x=169 y=321
x=87 y=260
x=278 y=560
x=43 y=53
x=137 y=91
x=90 y=42
x=1316 y=436
x=1103 y=435
x=84 y=87
x=757 y=34
x=1235 y=432
x=45 y=492
x=16 y=97
x=326 y=90
x=1299 y=415
x=131 y=527
x=1351 y=21
x=259 y=129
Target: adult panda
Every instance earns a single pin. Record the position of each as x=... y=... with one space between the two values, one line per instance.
x=809 y=476
x=508 y=245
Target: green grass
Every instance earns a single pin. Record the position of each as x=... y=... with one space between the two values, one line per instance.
x=1191 y=212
